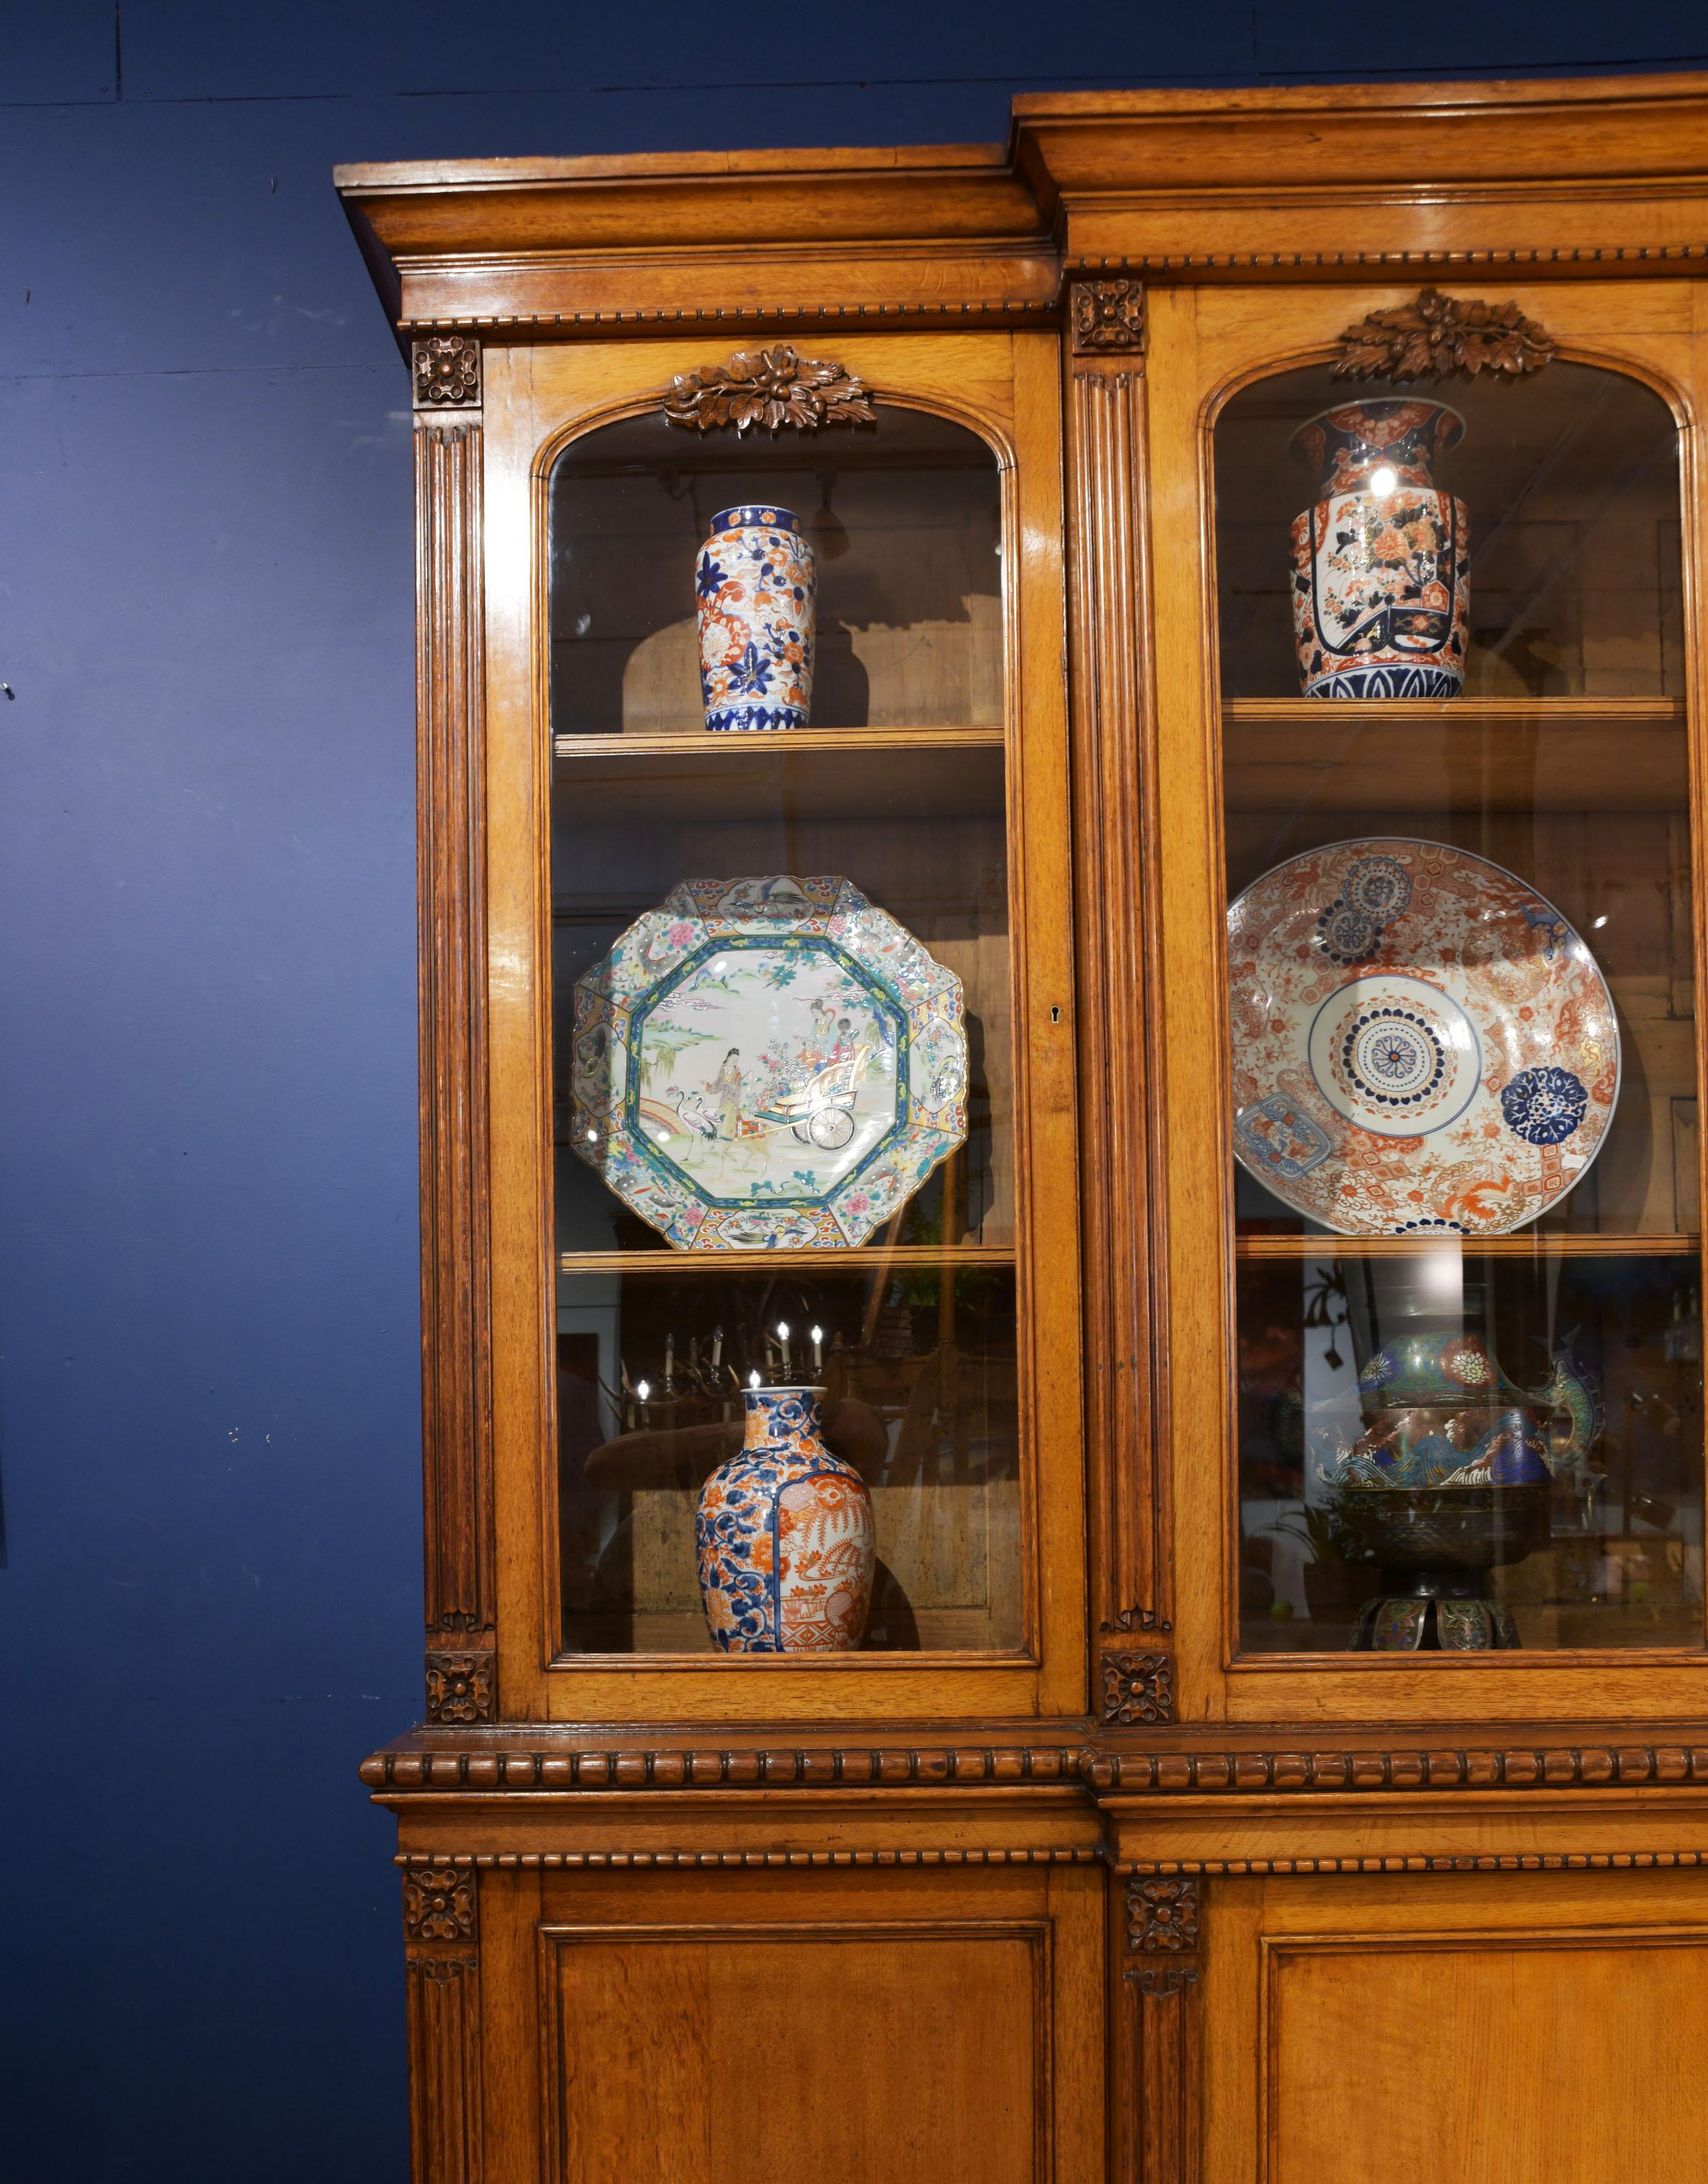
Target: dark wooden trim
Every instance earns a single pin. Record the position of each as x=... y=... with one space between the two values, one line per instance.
x=485 y=1762
x=1157 y=1945
x=1168 y=2044
x=751 y=1860
x=435 y=1766
x=462 y=1687
x=1108 y=582
x=456 y=1308
x=444 y=2034
x=446 y=368
x=967 y=315
x=441 y=1923
x=1106 y=316
x=1591 y=260
x=439 y=1900
x=1528 y=1861
x=1444 y=1764
x=1138 y=1687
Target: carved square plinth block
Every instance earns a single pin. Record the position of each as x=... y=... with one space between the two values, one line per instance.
x=460 y=1688
x=1107 y=316
x=1138 y=1687
x=447 y=372
x=439 y=1902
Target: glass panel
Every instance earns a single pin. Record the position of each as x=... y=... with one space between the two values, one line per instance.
x=1462 y=968
x=904 y=518
x=891 y=1270
x=920 y=1377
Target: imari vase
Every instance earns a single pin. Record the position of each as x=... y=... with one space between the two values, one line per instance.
x=754 y=581
x=785 y=1536
x=1381 y=596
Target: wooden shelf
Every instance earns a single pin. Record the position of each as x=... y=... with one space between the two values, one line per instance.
x=896 y=773
x=796 y=742
x=1477 y=754
x=861 y=1258
x=1528 y=1244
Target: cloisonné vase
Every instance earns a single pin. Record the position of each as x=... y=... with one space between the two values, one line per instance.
x=755 y=583
x=785 y=1536
x=1380 y=592
x=1450 y=1478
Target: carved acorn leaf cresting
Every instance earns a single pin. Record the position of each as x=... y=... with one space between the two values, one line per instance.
x=1438 y=336
x=769 y=387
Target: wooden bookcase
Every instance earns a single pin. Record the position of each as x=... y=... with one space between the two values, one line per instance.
x=1107 y=1854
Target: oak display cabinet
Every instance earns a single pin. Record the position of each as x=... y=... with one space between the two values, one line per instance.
x=1179 y=1809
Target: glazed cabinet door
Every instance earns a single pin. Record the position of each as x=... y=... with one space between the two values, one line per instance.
x=1428 y=774
x=782 y=1228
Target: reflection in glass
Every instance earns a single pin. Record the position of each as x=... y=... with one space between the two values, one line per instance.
x=904 y=519
x=897 y=787
x=918 y=1357
x=1475 y=1431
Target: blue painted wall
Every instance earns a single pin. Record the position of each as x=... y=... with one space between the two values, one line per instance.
x=208 y=1433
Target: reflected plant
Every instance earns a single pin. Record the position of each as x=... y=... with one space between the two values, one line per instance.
x=1326 y=1306
x=1322 y=1527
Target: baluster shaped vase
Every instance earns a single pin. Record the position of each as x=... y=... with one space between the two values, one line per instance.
x=1381 y=591
x=785 y=1536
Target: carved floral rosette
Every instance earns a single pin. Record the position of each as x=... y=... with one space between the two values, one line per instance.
x=754 y=584
x=1381 y=562
x=785 y=1536
x=767 y=1063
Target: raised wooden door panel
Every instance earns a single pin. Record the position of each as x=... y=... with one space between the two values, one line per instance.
x=940 y=765
x=1503 y=2028
x=876 y=2051
x=858 y=2025
x=1581 y=773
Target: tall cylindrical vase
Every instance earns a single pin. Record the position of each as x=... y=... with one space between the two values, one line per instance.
x=785 y=1536
x=1380 y=592
x=755 y=583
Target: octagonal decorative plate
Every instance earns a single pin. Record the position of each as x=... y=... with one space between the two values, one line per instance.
x=1421 y=1041
x=768 y=1064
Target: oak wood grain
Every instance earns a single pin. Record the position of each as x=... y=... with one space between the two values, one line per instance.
x=1118 y=951
x=1205 y=344
x=456 y=1324
x=605 y=1860
x=1007 y=388
x=1554 y=1957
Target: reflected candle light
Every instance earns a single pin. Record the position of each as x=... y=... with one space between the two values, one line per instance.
x=1441 y=1278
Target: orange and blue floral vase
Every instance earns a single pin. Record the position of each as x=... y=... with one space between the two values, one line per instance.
x=784 y=1536
x=754 y=584
x=1381 y=562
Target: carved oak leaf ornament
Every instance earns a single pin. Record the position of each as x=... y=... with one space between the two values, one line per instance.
x=1438 y=335
x=769 y=387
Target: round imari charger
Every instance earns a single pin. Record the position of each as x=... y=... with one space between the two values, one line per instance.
x=1421 y=1041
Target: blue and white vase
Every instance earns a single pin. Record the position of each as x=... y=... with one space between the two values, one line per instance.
x=755 y=583
x=1381 y=563
x=785 y=1536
